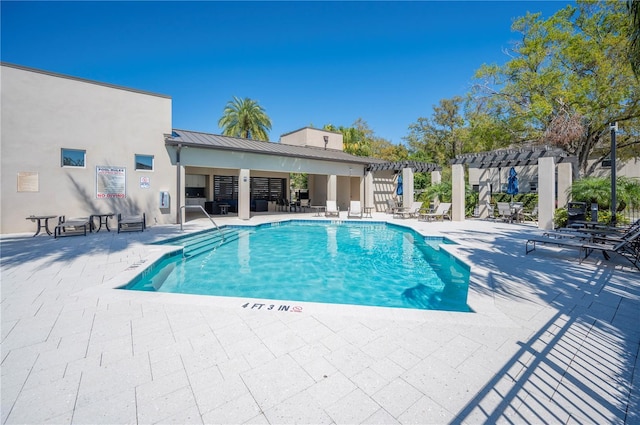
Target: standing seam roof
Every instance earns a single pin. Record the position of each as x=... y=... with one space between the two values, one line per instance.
x=214 y=141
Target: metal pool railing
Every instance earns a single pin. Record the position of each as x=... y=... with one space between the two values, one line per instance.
x=205 y=213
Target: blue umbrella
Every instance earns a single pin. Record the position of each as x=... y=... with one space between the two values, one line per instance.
x=512 y=185
x=399 y=188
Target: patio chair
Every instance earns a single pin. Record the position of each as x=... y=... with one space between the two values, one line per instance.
x=412 y=212
x=628 y=247
x=441 y=212
x=133 y=223
x=531 y=216
x=391 y=206
x=332 y=209
x=505 y=212
x=354 y=210
x=70 y=227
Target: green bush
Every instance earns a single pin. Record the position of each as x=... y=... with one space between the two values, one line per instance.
x=561 y=218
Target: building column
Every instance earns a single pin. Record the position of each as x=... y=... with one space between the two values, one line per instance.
x=457 y=192
x=546 y=192
x=565 y=180
x=368 y=189
x=407 y=187
x=485 y=193
x=332 y=187
x=244 y=194
x=436 y=177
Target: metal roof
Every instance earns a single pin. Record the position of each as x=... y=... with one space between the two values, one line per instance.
x=237 y=144
x=512 y=157
x=218 y=142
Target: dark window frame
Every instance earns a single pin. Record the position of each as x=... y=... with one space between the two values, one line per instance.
x=70 y=161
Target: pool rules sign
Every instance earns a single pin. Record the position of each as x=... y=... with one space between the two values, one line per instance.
x=110 y=182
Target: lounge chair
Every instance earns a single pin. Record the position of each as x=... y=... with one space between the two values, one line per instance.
x=441 y=212
x=532 y=215
x=73 y=226
x=412 y=212
x=505 y=213
x=354 y=210
x=628 y=246
x=391 y=206
x=133 y=223
x=332 y=209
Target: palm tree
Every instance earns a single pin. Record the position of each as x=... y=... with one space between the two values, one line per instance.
x=598 y=190
x=245 y=118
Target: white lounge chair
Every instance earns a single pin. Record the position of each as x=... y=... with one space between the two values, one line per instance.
x=412 y=212
x=354 y=210
x=505 y=212
x=391 y=206
x=332 y=209
x=531 y=216
x=441 y=212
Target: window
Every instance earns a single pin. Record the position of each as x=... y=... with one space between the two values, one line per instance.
x=267 y=188
x=144 y=162
x=72 y=158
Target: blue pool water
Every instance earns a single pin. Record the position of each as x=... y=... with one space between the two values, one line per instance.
x=373 y=264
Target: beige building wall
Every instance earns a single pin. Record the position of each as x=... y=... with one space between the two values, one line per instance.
x=43 y=113
x=313 y=137
x=628 y=168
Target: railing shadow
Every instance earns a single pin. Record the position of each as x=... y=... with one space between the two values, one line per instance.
x=580 y=365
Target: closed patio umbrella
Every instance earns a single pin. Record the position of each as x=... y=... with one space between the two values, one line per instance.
x=512 y=184
x=399 y=188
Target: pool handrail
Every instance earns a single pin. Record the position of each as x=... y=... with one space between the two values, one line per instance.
x=205 y=213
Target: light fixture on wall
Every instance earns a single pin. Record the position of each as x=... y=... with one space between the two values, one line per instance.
x=326 y=140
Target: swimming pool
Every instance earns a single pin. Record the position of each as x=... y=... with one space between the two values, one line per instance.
x=362 y=263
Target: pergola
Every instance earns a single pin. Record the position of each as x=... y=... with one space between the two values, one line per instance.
x=545 y=157
x=407 y=168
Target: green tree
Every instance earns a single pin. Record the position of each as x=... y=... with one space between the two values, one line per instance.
x=598 y=190
x=356 y=139
x=245 y=118
x=440 y=137
x=384 y=149
x=634 y=35
x=567 y=79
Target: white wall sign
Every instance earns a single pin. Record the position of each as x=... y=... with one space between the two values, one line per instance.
x=110 y=182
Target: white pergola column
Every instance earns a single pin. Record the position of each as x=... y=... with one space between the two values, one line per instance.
x=244 y=194
x=565 y=180
x=546 y=192
x=436 y=177
x=368 y=189
x=407 y=187
x=484 y=198
x=457 y=192
x=332 y=187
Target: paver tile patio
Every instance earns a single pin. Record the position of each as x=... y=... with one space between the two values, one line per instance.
x=549 y=340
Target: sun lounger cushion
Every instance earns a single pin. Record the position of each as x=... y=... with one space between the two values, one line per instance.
x=75 y=226
x=134 y=223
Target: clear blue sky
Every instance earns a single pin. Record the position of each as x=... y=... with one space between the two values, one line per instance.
x=306 y=63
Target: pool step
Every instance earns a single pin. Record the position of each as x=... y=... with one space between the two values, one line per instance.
x=208 y=242
x=202 y=242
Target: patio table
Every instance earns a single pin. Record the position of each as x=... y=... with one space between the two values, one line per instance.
x=40 y=218
x=102 y=219
x=317 y=209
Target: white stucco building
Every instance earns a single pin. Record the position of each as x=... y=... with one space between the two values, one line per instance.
x=76 y=147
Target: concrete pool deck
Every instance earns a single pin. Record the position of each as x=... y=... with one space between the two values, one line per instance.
x=550 y=341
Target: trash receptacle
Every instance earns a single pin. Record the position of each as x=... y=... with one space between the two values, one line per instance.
x=576 y=211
